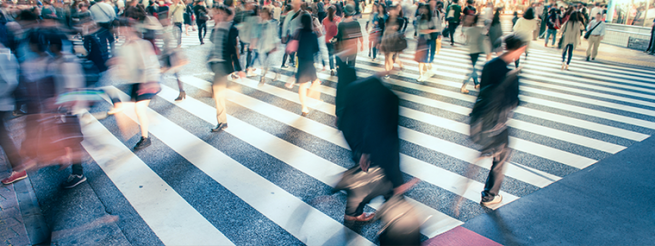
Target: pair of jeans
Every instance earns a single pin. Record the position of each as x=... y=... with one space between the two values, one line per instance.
x=202 y=26
x=330 y=48
x=551 y=32
x=178 y=29
x=452 y=26
x=432 y=45
x=496 y=174
x=246 y=47
x=569 y=48
x=474 y=73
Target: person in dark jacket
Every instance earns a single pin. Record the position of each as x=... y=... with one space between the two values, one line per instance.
x=369 y=122
x=202 y=16
x=498 y=97
x=306 y=74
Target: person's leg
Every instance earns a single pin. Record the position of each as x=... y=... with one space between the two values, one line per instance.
x=564 y=53
x=398 y=61
x=590 y=44
x=200 y=36
x=302 y=94
x=330 y=48
x=140 y=109
x=284 y=59
x=570 y=50
x=179 y=33
x=474 y=71
x=496 y=174
x=180 y=88
x=548 y=33
x=8 y=144
x=432 y=44
x=594 y=52
x=219 y=87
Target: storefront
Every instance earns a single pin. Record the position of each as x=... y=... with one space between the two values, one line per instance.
x=629 y=23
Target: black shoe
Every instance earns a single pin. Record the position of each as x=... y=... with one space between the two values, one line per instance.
x=143 y=143
x=219 y=127
x=332 y=72
x=587 y=58
x=593 y=59
x=73 y=180
x=489 y=200
x=284 y=66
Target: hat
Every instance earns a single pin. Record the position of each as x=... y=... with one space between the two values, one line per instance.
x=349 y=10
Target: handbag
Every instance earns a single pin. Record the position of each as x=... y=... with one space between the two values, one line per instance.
x=586 y=35
x=202 y=15
x=292 y=46
x=445 y=32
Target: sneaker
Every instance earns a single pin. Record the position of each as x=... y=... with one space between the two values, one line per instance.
x=18 y=113
x=593 y=59
x=219 y=127
x=420 y=79
x=464 y=90
x=587 y=58
x=491 y=200
x=73 y=180
x=15 y=176
x=143 y=143
x=332 y=72
x=477 y=86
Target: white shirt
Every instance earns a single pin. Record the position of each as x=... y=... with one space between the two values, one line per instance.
x=600 y=30
x=276 y=13
x=102 y=12
x=489 y=13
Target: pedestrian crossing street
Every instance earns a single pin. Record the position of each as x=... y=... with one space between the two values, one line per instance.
x=271 y=172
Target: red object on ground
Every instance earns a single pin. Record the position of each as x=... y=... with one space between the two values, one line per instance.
x=459 y=236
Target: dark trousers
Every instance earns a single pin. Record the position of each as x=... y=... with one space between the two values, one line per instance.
x=202 y=26
x=8 y=144
x=106 y=37
x=497 y=173
x=651 y=47
x=331 y=59
x=569 y=48
x=178 y=28
x=349 y=60
x=432 y=44
x=452 y=26
x=291 y=57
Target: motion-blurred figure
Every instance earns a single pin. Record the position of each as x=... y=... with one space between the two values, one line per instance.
x=8 y=82
x=401 y=224
x=370 y=125
x=497 y=99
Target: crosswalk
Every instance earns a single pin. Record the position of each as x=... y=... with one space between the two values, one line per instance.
x=275 y=169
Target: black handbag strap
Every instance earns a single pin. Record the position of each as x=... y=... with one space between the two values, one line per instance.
x=592 y=29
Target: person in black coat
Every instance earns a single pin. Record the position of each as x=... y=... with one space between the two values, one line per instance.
x=369 y=122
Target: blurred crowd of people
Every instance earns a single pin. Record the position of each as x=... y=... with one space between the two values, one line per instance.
x=50 y=80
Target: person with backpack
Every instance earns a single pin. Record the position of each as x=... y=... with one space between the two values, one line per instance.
x=104 y=15
x=552 y=22
x=453 y=14
x=498 y=97
x=202 y=16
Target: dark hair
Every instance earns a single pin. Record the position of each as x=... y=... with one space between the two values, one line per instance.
x=455 y=1
x=470 y=2
x=330 y=13
x=516 y=14
x=428 y=15
x=224 y=8
x=496 y=19
x=529 y=14
x=306 y=22
x=513 y=42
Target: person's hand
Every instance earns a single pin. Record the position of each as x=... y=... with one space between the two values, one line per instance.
x=365 y=162
x=601 y=37
x=405 y=187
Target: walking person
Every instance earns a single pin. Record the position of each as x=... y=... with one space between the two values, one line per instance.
x=349 y=34
x=423 y=26
x=330 y=23
x=475 y=41
x=434 y=41
x=453 y=17
x=570 y=38
x=524 y=28
x=497 y=99
x=552 y=22
x=306 y=74
x=176 y=14
x=596 y=29
x=222 y=61
x=9 y=77
x=104 y=16
x=266 y=41
x=139 y=65
x=651 y=43
x=188 y=17
x=495 y=34
x=289 y=26
x=376 y=31
x=202 y=16
x=393 y=40
x=172 y=58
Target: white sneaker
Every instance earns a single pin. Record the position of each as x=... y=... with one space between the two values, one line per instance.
x=420 y=79
x=497 y=199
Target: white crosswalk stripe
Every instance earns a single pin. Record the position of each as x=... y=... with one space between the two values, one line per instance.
x=568 y=120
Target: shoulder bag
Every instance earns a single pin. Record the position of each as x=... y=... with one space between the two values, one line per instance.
x=586 y=35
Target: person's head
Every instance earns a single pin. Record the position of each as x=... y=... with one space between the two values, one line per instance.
x=529 y=14
x=221 y=13
x=265 y=14
x=133 y=3
x=36 y=42
x=496 y=19
x=382 y=9
x=296 y=4
x=200 y=2
x=306 y=22
x=83 y=7
x=349 y=10
x=514 y=47
x=393 y=11
x=599 y=16
x=470 y=2
x=490 y=4
x=516 y=14
x=126 y=27
x=439 y=5
x=55 y=45
x=455 y=1
x=424 y=11
x=330 y=13
x=432 y=4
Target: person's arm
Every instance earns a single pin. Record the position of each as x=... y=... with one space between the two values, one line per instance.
x=602 y=30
